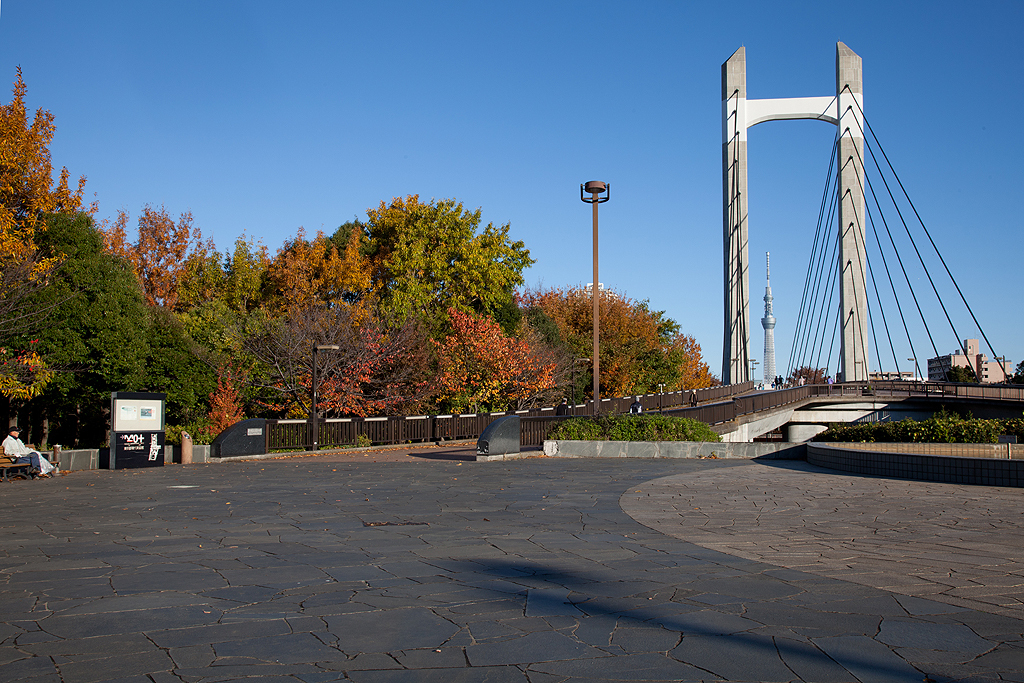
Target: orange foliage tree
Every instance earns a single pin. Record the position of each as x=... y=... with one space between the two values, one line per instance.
x=161 y=253
x=312 y=273
x=640 y=348
x=376 y=369
x=27 y=196
x=480 y=368
x=808 y=374
x=225 y=403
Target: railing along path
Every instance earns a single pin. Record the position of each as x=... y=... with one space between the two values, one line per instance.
x=537 y=423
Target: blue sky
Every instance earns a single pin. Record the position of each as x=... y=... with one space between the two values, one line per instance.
x=261 y=117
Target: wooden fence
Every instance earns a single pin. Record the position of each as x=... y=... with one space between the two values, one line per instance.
x=716 y=405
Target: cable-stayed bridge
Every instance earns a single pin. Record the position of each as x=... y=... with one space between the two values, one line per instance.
x=878 y=295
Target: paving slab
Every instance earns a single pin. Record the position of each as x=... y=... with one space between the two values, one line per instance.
x=409 y=568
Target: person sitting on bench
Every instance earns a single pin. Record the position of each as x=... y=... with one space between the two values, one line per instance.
x=15 y=448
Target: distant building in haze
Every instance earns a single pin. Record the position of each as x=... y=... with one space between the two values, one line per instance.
x=987 y=371
x=768 y=323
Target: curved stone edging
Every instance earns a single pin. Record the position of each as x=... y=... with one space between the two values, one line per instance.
x=950 y=469
x=958 y=545
x=673 y=449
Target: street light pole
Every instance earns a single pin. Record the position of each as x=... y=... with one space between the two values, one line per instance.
x=917 y=369
x=596 y=188
x=314 y=417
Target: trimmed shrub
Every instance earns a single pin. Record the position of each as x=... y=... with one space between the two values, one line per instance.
x=649 y=427
x=942 y=427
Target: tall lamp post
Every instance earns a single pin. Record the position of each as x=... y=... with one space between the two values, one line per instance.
x=596 y=188
x=917 y=368
x=313 y=413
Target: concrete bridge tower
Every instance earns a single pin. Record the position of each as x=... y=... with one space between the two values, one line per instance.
x=844 y=110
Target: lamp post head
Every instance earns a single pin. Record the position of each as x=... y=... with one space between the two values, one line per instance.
x=595 y=188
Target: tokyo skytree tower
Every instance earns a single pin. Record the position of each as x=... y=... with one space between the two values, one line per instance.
x=768 y=323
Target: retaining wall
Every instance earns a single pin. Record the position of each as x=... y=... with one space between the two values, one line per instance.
x=89 y=458
x=987 y=470
x=673 y=449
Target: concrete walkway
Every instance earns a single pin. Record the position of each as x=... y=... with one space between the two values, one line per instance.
x=339 y=568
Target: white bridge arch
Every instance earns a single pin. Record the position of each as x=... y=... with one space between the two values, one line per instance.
x=844 y=110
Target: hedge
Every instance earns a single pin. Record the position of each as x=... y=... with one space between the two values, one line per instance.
x=650 y=427
x=943 y=427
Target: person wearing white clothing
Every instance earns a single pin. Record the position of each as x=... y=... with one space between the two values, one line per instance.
x=14 y=447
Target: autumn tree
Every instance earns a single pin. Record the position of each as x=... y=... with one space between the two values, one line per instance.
x=27 y=196
x=640 y=348
x=429 y=257
x=225 y=403
x=161 y=253
x=377 y=369
x=480 y=368
x=810 y=375
x=315 y=272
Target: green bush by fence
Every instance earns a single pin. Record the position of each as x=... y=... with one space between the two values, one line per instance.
x=943 y=427
x=632 y=428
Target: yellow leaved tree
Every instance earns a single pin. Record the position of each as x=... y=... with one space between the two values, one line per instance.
x=28 y=194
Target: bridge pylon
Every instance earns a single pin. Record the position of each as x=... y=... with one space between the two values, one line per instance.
x=844 y=110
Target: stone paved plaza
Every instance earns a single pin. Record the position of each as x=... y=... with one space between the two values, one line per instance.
x=400 y=568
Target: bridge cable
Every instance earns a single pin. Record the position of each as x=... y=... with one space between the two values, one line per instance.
x=906 y=277
x=808 y=344
x=928 y=234
x=871 y=318
x=885 y=264
x=830 y=286
x=823 y=257
x=934 y=246
x=810 y=260
x=918 y=253
x=832 y=345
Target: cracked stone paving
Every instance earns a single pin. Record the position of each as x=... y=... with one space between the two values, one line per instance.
x=537 y=570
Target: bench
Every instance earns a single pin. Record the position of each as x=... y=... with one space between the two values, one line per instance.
x=9 y=467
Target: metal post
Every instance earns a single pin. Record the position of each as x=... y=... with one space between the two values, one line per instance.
x=314 y=417
x=312 y=405
x=595 y=188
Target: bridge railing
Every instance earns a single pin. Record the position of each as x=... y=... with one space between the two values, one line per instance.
x=535 y=424
x=999 y=392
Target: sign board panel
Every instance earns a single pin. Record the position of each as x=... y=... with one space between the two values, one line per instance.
x=136 y=430
x=138 y=414
x=136 y=449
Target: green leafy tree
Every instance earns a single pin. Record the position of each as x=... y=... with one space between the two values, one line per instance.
x=101 y=344
x=428 y=257
x=1018 y=376
x=175 y=367
x=961 y=373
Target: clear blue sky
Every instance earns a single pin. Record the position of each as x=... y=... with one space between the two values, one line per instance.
x=265 y=116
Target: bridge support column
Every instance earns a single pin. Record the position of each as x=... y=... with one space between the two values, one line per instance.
x=853 y=300
x=799 y=433
x=736 y=346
